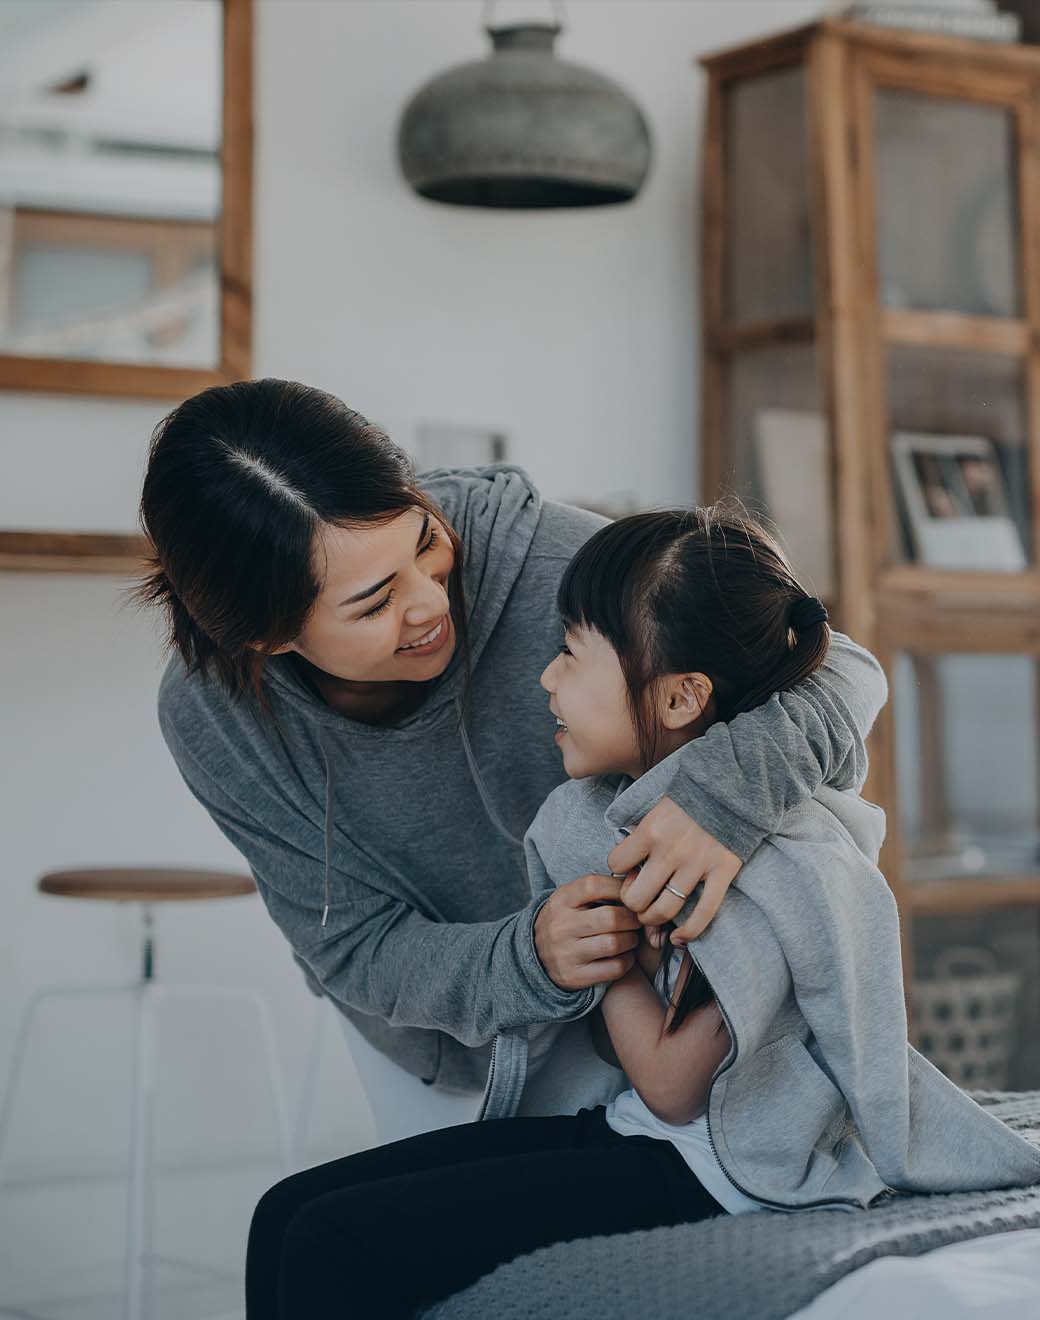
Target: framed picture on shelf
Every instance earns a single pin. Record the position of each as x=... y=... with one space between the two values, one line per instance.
x=449 y=446
x=791 y=454
x=955 y=500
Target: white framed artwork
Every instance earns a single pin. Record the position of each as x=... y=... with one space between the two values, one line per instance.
x=953 y=492
x=447 y=446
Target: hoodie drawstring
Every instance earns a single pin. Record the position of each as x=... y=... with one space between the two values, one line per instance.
x=329 y=785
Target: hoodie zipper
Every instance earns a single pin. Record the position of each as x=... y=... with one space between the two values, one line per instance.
x=489 y=1084
x=776 y=1205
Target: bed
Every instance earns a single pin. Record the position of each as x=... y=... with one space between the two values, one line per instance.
x=771 y=1266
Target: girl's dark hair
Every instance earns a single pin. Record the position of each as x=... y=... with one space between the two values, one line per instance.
x=241 y=479
x=705 y=591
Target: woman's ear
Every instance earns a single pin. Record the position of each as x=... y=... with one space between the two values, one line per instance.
x=278 y=650
x=684 y=699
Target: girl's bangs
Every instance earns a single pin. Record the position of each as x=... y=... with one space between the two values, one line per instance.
x=594 y=589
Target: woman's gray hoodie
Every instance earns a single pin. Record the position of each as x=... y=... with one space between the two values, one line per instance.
x=821 y=1101
x=411 y=835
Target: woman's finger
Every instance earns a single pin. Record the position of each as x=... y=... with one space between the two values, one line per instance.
x=595 y=947
x=630 y=852
x=716 y=887
x=640 y=891
x=667 y=904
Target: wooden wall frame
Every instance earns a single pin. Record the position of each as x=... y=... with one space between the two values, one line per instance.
x=108 y=553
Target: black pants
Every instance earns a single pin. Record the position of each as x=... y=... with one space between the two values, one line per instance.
x=388 y=1230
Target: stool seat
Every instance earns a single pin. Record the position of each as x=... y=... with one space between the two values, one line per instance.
x=145 y=884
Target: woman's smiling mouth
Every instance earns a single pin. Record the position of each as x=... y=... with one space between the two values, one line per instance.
x=429 y=642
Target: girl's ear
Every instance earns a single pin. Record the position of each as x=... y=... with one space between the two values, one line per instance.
x=684 y=699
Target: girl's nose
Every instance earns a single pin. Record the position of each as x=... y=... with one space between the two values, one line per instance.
x=544 y=681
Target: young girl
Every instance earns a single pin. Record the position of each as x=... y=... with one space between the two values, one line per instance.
x=750 y=1078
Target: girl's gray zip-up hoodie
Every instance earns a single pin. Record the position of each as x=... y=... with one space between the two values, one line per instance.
x=821 y=1101
x=391 y=856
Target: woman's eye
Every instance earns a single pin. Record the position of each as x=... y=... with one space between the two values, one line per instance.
x=379 y=608
x=565 y=649
x=431 y=542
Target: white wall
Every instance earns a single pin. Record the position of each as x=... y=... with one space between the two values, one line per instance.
x=576 y=333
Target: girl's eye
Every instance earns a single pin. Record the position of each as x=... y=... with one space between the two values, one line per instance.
x=379 y=608
x=431 y=542
x=565 y=649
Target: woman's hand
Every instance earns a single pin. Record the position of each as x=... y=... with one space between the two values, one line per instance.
x=584 y=935
x=672 y=849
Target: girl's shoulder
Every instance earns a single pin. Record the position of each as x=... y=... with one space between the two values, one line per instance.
x=570 y=833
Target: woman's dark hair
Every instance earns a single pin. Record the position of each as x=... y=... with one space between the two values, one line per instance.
x=705 y=591
x=241 y=479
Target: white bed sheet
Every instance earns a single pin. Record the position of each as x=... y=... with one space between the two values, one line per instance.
x=996 y=1277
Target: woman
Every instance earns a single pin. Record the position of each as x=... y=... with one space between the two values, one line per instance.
x=353 y=698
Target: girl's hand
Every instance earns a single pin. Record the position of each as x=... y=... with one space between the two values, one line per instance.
x=671 y=849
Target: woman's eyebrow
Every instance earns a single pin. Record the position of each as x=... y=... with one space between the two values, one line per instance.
x=371 y=591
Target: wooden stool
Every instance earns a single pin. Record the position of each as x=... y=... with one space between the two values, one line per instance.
x=147 y=886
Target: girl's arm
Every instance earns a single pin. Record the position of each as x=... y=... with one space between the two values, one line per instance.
x=672 y=1073
x=648 y=956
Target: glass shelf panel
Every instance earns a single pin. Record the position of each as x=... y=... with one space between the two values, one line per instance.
x=959 y=462
x=967 y=766
x=947 y=218
x=781 y=454
x=769 y=267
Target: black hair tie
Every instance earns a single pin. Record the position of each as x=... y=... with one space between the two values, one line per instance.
x=807 y=612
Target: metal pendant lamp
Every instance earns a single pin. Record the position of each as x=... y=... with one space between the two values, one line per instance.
x=523 y=129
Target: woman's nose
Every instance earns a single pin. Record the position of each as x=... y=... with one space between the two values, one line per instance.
x=430 y=605
x=544 y=681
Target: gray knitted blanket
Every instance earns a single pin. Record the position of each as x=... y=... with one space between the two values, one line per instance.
x=762 y=1266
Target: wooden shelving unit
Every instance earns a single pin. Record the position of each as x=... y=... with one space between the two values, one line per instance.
x=72 y=552
x=871 y=258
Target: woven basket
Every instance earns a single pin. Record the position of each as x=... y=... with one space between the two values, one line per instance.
x=965 y=1017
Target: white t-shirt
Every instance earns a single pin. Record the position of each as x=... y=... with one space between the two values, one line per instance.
x=629 y=1116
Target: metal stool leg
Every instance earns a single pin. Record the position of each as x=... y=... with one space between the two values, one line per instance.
x=137 y=1304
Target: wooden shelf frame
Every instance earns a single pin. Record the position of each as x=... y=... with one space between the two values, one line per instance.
x=890 y=605
x=970 y=894
x=120 y=554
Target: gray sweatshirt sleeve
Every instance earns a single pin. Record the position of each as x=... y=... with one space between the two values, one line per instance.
x=740 y=779
x=377 y=954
